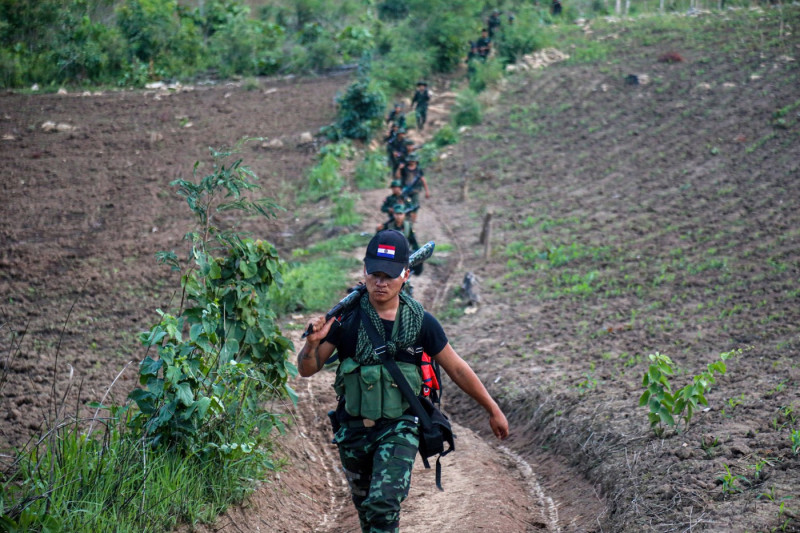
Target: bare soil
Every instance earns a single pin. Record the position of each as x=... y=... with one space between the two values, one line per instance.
x=680 y=198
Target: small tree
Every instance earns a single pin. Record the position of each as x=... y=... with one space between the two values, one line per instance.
x=222 y=350
x=360 y=107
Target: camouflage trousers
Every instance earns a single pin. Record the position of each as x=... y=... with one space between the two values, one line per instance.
x=421 y=115
x=377 y=462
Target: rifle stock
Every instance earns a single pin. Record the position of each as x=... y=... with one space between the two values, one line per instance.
x=351 y=300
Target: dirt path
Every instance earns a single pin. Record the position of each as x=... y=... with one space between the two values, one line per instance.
x=487 y=486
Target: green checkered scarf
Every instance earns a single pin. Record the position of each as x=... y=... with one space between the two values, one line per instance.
x=410 y=315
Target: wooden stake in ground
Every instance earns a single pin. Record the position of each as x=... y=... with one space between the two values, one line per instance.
x=486 y=233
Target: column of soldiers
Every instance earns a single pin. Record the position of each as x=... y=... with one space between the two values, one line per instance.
x=407 y=177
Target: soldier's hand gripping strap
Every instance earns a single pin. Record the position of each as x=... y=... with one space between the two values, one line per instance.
x=436 y=428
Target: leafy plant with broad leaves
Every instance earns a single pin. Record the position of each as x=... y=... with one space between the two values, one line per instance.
x=665 y=405
x=222 y=351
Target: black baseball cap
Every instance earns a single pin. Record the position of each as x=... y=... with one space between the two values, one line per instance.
x=387 y=252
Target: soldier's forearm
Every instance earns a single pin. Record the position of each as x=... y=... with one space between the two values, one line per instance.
x=309 y=360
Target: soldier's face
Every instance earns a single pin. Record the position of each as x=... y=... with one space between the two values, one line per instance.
x=382 y=288
x=396 y=191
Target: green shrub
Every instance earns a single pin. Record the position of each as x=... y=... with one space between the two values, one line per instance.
x=323 y=179
x=220 y=353
x=360 y=109
x=393 y=9
x=12 y=72
x=445 y=136
x=467 y=109
x=525 y=36
x=344 y=209
x=485 y=75
x=198 y=436
x=664 y=405
x=148 y=26
x=354 y=41
x=400 y=69
x=371 y=172
x=307 y=286
x=246 y=46
x=427 y=154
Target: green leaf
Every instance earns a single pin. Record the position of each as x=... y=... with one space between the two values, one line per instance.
x=195 y=331
x=644 y=398
x=174 y=374
x=156 y=386
x=202 y=407
x=291 y=393
x=144 y=399
x=229 y=351
x=184 y=393
x=149 y=367
x=215 y=271
x=248 y=269
x=666 y=417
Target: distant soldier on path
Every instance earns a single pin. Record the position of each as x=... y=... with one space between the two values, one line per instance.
x=396 y=198
x=494 y=23
x=421 y=99
x=401 y=147
x=397 y=116
x=484 y=45
x=413 y=180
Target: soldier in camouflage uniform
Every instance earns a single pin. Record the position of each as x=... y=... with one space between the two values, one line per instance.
x=395 y=198
x=421 y=99
x=401 y=147
x=413 y=179
x=400 y=222
x=378 y=438
x=397 y=116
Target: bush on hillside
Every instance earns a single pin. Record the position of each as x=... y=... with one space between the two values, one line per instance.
x=360 y=108
x=371 y=171
x=528 y=34
x=467 y=109
x=486 y=75
x=400 y=68
x=445 y=136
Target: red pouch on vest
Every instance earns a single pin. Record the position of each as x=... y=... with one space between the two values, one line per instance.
x=429 y=380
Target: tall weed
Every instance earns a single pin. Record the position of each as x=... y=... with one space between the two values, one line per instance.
x=467 y=110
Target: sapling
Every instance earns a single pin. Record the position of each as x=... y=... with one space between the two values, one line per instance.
x=795 y=438
x=665 y=405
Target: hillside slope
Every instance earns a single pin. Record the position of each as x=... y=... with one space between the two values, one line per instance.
x=639 y=218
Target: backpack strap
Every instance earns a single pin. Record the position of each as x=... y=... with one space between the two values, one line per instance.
x=402 y=383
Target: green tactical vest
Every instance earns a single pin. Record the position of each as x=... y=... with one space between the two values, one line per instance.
x=369 y=391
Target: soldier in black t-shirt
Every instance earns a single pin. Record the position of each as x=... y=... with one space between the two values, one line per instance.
x=377 y=439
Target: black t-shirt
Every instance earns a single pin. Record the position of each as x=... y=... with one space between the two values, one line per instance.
x=345 y=335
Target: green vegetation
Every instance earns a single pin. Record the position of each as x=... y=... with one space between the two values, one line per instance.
x=665 y=405
x=730 y=481
x=467 y=109
x=360 y=108
x=307 y=280
x=197 y=428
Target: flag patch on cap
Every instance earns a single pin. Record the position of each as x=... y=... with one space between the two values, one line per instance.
x=386 y=251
